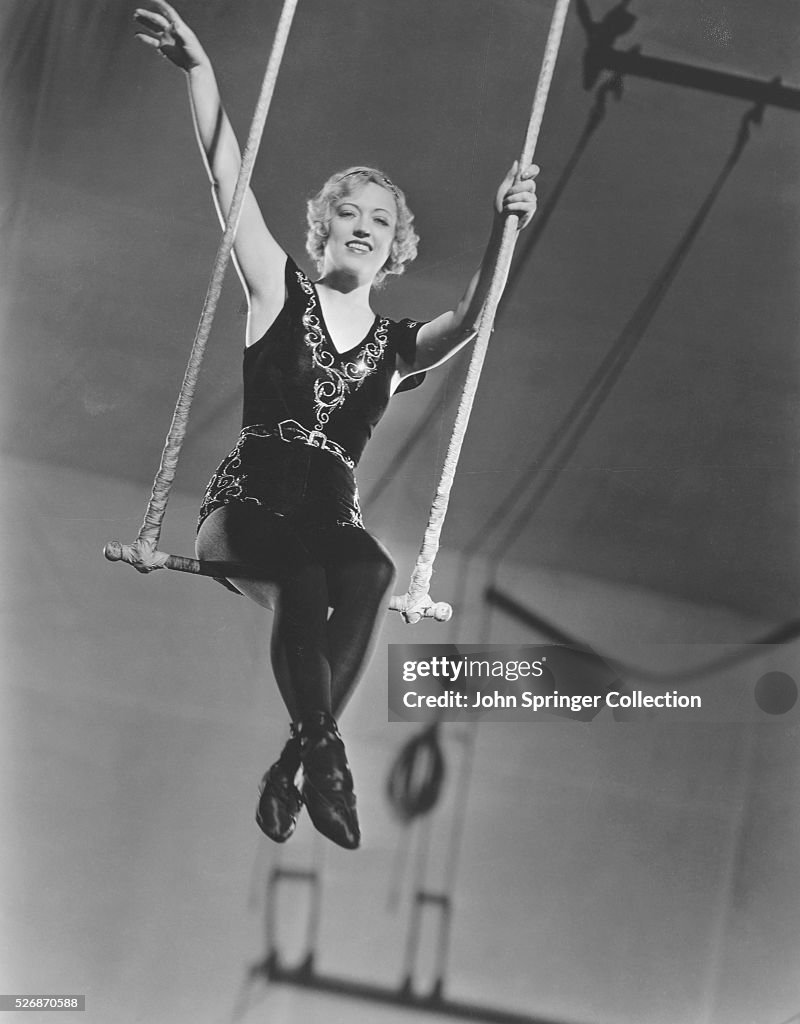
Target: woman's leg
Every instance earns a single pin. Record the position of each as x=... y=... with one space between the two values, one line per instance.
x=301 y=650
x=360 y=574
x=294 y=585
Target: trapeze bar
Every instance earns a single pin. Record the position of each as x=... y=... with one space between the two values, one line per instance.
x=632 y=62
x=305 y=976
x=146 y=559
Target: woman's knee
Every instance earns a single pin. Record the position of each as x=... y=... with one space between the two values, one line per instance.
x=385 y=569
x=363 y=567
x=375 y=563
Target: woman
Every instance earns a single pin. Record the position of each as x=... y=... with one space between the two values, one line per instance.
x=319 y=369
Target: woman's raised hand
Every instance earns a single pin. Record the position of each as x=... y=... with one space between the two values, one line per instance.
x=517 y=194
x=168 y=33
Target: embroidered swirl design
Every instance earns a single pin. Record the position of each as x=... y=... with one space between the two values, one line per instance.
x=331 y=391
x=229 y=484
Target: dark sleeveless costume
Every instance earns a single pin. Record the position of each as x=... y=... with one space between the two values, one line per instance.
x=308 y=414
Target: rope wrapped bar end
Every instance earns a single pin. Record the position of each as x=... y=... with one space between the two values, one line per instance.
x=424 y=608
x=143 y=557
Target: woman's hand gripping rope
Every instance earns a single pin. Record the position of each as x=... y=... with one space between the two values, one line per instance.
x=517 y=193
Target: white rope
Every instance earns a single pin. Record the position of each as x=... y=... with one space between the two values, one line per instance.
x=416 y=602
x=142 y=554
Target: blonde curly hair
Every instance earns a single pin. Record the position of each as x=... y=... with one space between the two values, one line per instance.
x=320 y=210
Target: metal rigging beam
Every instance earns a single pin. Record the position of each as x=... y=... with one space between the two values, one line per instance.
x=762 y=93
x=600 y=55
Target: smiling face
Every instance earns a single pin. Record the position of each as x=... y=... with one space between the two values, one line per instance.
x=356 y=204
x=361 y=231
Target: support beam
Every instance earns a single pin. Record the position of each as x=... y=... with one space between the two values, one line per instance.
x=633 y=62
x=306 y=977
x=600 y=55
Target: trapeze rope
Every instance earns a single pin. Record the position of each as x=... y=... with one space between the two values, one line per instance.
x=143 y=553
x=416 y=603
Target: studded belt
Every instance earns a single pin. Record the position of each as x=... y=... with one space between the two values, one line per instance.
x=292 y=431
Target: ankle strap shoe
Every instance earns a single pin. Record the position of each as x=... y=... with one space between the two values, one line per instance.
x=328 y=785
x=279 y=800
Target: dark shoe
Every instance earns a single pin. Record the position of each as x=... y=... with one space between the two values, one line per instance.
x=328 y=784
x=279 y=800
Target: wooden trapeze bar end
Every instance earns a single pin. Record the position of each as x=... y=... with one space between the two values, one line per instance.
x=423 y=609
x=145 y=558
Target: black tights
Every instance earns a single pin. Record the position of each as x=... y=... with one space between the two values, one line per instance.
x=317 y=657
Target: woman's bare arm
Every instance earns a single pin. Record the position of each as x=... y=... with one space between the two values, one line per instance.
x=259 y=259
x=446 y=334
